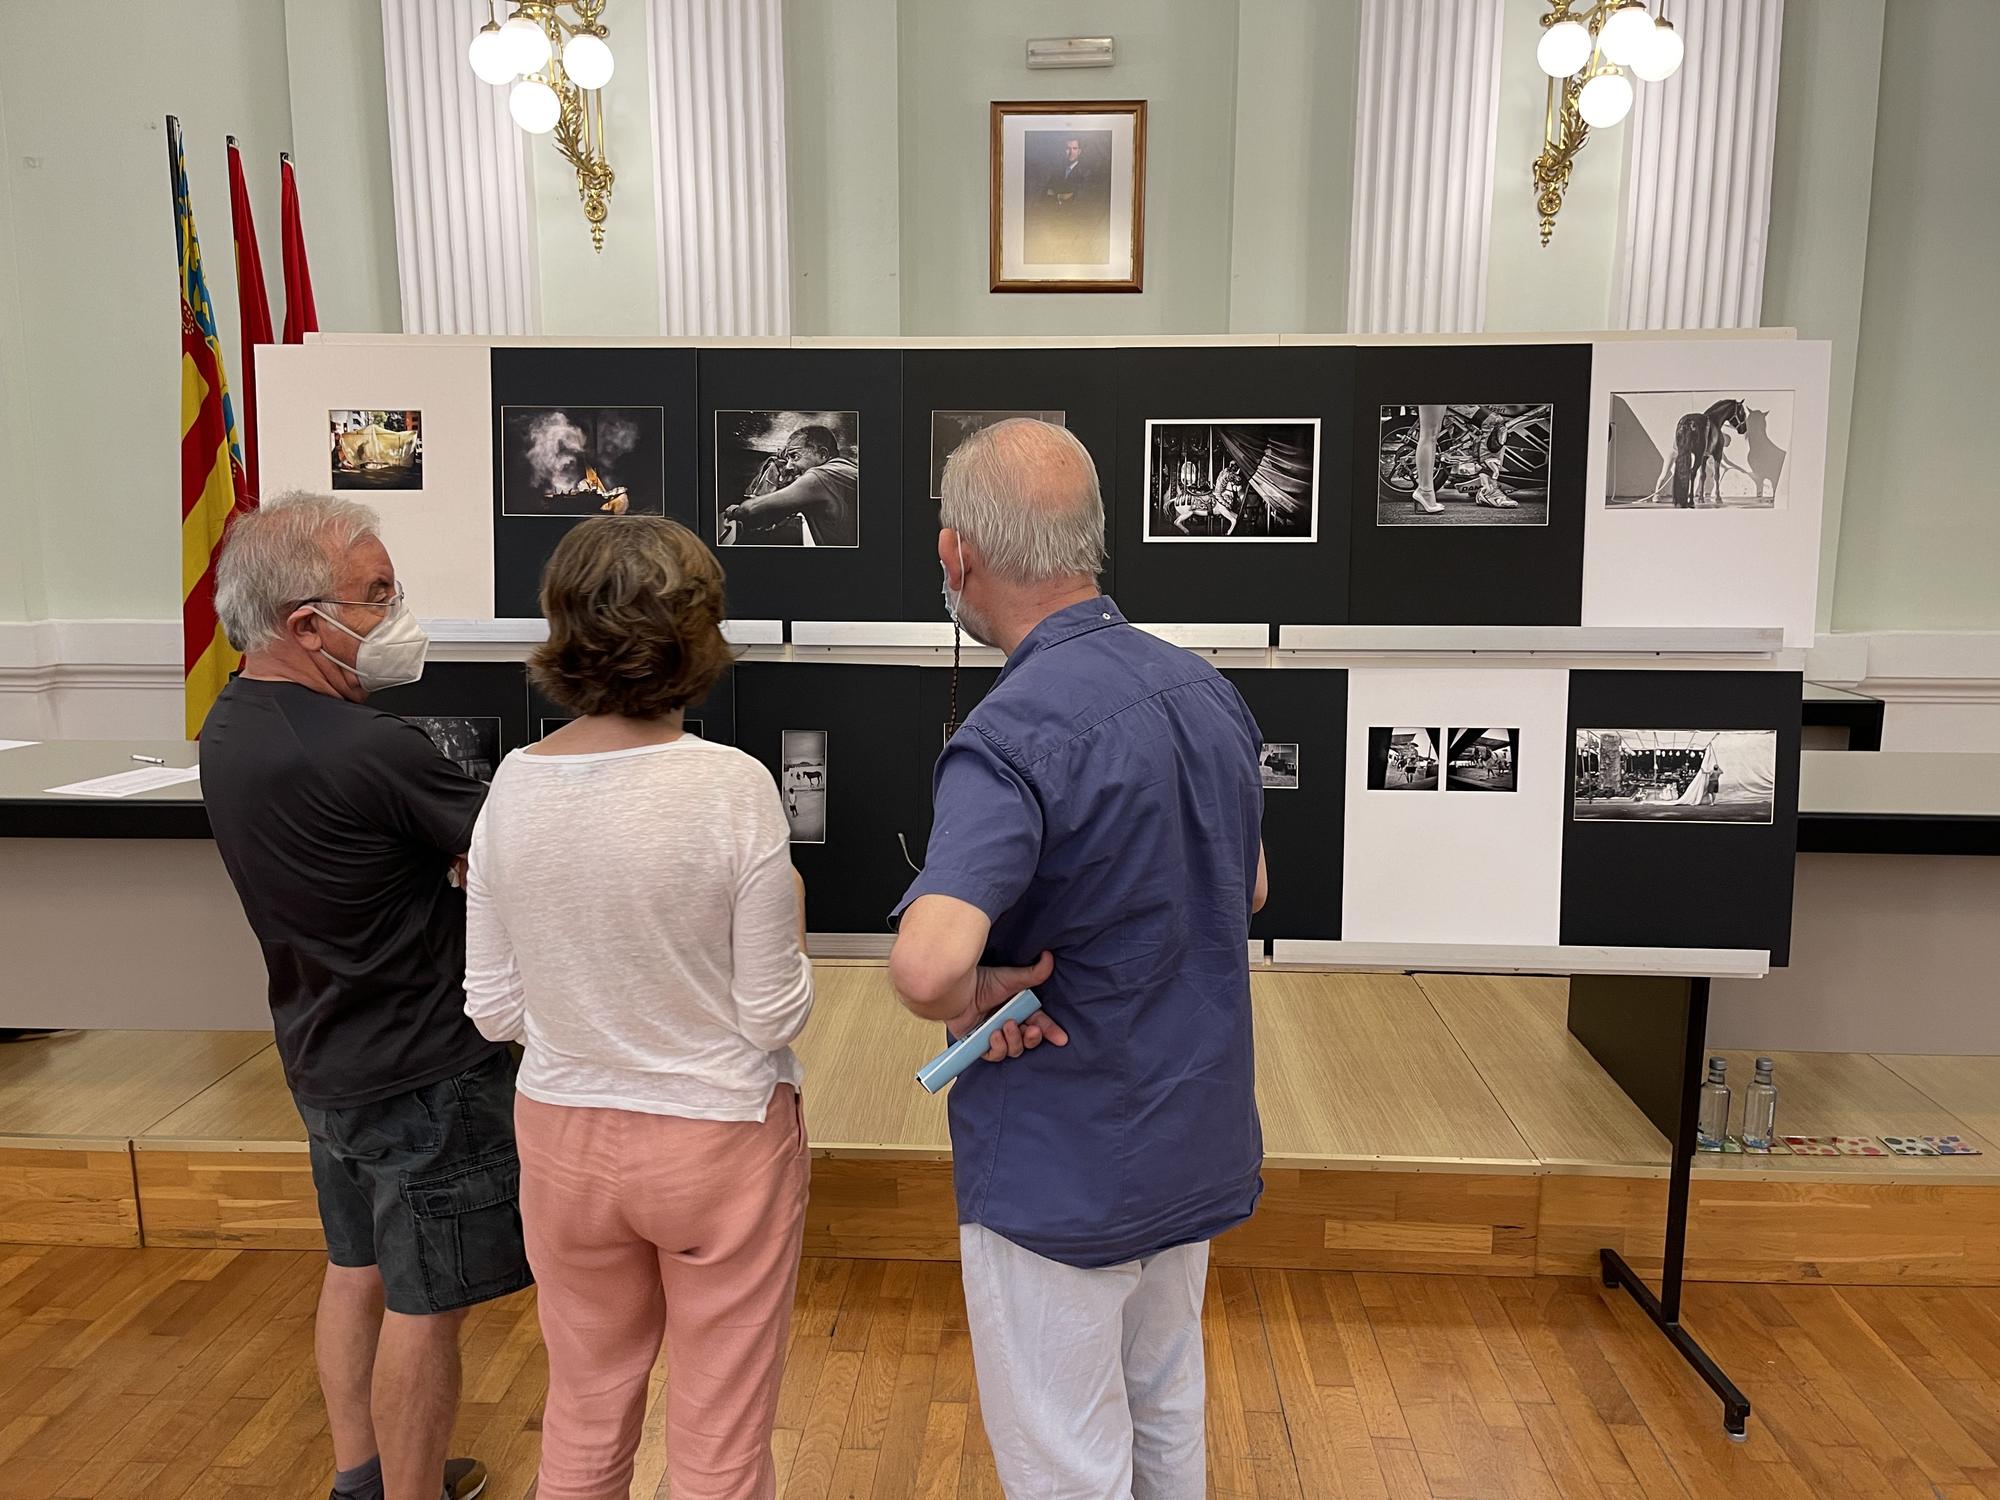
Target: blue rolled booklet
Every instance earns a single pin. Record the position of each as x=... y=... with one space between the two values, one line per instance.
x=963 y=1053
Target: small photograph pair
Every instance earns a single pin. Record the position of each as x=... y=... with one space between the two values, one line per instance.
x=1405 y=759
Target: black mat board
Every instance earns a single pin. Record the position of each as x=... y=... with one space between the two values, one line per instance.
x=466 y=690
x=1080 y=383
x=878 y=764
x=531 y=377
x=1302 y=824
x=1683 y=884
x=715 y=714
x=863 y=582
x=1459 y=573
x=1223 y=580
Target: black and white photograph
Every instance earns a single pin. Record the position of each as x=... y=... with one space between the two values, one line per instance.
x=1464 y=465
x=1698 y=450
x=950 y=428
x=1403 y=760
x=1676 y=775
x=583 y=461
x=802 y=757
x=1279 y=765
x=1232 y=479
x=1480 y=760
x=473 y=745
x=788 y=478
x=375 y=450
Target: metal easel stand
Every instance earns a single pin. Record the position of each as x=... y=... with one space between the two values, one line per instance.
x=1665 y=1309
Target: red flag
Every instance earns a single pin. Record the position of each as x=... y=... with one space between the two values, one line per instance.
x=252 y=301
x=301 y=318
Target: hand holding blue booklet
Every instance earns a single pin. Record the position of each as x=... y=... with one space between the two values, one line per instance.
x=963 y=1053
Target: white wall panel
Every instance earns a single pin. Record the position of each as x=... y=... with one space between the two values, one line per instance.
x=441 y=536
x=1719 y=566
x=1457 y=867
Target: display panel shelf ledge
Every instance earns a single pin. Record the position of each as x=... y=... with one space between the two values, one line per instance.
x=1523 y=958
x=1567 y=640
x=532 y=631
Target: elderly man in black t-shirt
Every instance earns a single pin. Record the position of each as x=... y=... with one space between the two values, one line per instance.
x=343 y=830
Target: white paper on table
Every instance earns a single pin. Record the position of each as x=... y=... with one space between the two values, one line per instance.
x=17 y=744
x=129 y=783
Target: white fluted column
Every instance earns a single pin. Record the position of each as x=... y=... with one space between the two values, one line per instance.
x=718 y=71
x=464 y=233
x=1698 y=173
x=1424 y=128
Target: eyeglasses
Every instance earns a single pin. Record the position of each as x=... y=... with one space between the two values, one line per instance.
x=389 y=603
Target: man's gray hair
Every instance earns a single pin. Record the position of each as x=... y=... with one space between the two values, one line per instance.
x=1024 y=493
x=281 y=554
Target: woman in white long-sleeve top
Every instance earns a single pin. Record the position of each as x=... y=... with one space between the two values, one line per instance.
x=635 y=921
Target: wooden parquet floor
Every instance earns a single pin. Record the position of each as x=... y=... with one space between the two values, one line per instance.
x=171 y=1373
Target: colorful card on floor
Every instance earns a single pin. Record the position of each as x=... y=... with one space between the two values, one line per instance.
x=1811 y=1145
x=1950 y=1145
x=1857 y=1145
x=1776 y=1148
x=1910 y=1145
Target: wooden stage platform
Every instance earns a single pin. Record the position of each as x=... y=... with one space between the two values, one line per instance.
x=1443 y=1123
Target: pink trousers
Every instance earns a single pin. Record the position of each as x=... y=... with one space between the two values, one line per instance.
x=647 y=1227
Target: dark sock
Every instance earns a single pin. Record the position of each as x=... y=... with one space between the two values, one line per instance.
x=361 y=1482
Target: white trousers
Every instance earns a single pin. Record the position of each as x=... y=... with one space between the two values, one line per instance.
x=1090 y=1381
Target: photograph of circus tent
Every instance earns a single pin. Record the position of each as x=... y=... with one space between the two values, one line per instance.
x=1676 y=775
x=1247 y=480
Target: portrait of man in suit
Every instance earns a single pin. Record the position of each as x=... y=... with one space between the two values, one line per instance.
x=1067 y=182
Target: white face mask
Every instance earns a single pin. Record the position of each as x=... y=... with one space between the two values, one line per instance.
x=390 y=655
x=954 y=599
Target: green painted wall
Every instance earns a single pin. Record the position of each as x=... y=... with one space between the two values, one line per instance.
x=958 y=55
x=842 y=170
x=1822 y=173
x=94 y=329
x=1567 y=284
x=1920 y=529
x=1293 y=180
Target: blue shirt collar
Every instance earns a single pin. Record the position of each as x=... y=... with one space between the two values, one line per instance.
x=1066 y=625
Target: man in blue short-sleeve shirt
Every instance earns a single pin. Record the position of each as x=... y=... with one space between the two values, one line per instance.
x=1096 y=837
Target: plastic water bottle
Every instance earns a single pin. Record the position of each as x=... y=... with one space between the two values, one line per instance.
x=1760 y=1109
x=1712 y=1124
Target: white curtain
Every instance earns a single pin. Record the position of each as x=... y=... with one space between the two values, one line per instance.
x=1698 y=173
x=1425 y=112
x=718 y=71
x=464 y=233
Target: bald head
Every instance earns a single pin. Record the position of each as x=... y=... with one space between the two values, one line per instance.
x=1023 y=494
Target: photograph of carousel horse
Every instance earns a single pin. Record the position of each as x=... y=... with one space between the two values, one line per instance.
x=1675 y=775
x=1699 y=450
x=1232 y=479
x=376 y=450
x=1483 y=465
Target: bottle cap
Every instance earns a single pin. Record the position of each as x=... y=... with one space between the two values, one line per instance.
x=1763 y=1065
x=1718 y=1065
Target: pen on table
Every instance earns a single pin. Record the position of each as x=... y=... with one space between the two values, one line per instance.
x=151 y=760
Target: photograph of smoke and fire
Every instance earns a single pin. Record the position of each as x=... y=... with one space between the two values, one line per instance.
x=583 y=461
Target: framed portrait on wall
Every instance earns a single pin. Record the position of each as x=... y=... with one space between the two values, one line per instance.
x=1068 y=195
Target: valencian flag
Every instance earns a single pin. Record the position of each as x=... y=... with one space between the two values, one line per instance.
x=212 y=487
x=301 y=318
x=252 y=303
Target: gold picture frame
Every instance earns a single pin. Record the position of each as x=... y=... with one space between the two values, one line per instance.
x=1068 y=195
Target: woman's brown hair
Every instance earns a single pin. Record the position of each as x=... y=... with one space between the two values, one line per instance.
x=634 y=605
